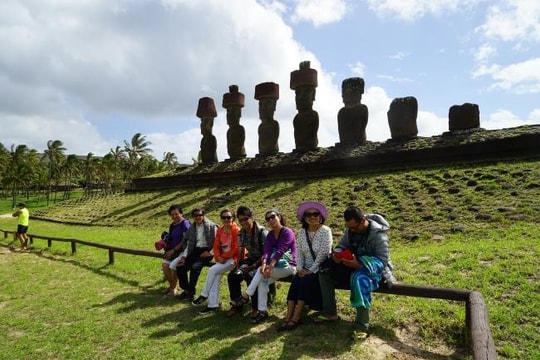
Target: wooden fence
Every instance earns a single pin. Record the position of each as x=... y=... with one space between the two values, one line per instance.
x=476 y=317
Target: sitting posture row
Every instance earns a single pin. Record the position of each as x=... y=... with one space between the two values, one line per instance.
x=260 y=257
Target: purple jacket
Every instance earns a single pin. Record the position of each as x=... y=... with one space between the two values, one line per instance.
x=285 y=241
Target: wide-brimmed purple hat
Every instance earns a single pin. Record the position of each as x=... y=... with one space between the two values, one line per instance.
x=306 y=205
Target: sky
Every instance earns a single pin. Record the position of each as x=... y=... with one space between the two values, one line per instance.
x=93 y=73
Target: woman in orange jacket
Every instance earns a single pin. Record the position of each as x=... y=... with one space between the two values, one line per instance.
x=226 y=258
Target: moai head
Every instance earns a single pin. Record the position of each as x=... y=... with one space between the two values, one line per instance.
x=304 y=82
x=267 y=93
x=402 y=118
x=206 y=111
x=464 y=117
x=233 y=101
x=352 y=90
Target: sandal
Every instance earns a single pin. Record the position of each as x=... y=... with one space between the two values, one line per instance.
x=290 y=325
x=322 y=318
x=253 y=314
x=239 y=301
x=261 y=315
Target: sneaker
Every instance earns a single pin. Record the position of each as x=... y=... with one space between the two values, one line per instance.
x=207 y=310
x=199 y=300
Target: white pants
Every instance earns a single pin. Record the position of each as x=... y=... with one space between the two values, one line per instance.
x=174 y=263
x=258 y=284
x=213 y=278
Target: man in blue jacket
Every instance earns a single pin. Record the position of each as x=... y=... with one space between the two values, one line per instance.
x=366 y=240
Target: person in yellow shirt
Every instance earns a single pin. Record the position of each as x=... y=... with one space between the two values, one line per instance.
x=22 y=226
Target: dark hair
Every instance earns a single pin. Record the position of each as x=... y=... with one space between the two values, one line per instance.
x=226 y=210
x=196 y=211
x=175 y=207
x=244 y=211
x=281 y=218
x=353 y=212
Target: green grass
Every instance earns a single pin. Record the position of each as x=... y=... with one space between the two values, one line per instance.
x=61 y=306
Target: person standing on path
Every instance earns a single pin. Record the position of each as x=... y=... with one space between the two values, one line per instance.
x=22 y=225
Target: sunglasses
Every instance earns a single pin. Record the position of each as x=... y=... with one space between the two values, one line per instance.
x=312 y=214
x=225 y=217
x=270 y=217
x=243 y=219
x=197 y=215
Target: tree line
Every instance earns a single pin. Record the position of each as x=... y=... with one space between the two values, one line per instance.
x=25 y=172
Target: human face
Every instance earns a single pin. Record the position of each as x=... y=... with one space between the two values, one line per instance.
x=272 y=219
x=312 y=216
x=176 y=215
x=198 y=217
x=356 y=226
x=246 y=222
x=227 y=218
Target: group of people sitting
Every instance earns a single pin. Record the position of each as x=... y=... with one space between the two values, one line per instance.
x=250 y=252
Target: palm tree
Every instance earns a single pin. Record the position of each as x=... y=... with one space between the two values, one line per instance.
x=20 y=174
x=54 y=154
x=136 y=150
x=120 y=170
x=170 y=160
x=70 y=170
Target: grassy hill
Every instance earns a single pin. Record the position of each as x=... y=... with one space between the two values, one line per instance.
x=471 y=227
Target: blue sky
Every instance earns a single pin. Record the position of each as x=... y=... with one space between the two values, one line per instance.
x=93 y=73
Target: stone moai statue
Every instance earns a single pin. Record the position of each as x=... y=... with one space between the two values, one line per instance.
x=464 y=117
x=267 y=94
x=206 y=111
x=353 y=117
x=233 y=101
x=402 y=118
x=306 y=121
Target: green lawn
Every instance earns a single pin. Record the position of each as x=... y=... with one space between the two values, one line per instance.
x=473 y=228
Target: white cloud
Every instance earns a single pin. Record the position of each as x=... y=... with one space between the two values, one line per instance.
x=513 y=20
x=79 y=136
x=400 y=55
x=506 y=119
x=484 y=53
x=137 y=60
x=358 y=68
x=395 y=79
x=521 y=78
x=412 y=10
x=319 y=12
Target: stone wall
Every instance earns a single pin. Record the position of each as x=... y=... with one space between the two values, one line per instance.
x=453 y=147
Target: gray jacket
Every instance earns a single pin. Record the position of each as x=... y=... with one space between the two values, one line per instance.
x=190 y=238
x=376 y=244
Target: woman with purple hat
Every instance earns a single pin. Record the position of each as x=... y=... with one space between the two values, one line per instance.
x=314 y=246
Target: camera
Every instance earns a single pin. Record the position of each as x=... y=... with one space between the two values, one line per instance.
x=242 y=269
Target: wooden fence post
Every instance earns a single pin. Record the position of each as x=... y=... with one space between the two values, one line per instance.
x=111 y=256
x=482 y=343
x=73 y=247
x=49 y=243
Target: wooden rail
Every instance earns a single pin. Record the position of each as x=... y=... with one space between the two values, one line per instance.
x=476 y=317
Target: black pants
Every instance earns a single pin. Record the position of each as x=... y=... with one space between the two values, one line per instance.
x=234 y=281
x=194 y=264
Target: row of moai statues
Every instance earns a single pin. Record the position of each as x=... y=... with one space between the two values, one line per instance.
x=352 y=118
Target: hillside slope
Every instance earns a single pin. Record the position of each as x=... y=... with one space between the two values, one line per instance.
x=420 y=202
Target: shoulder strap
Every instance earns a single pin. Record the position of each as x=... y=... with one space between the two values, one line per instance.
x=310 y=246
